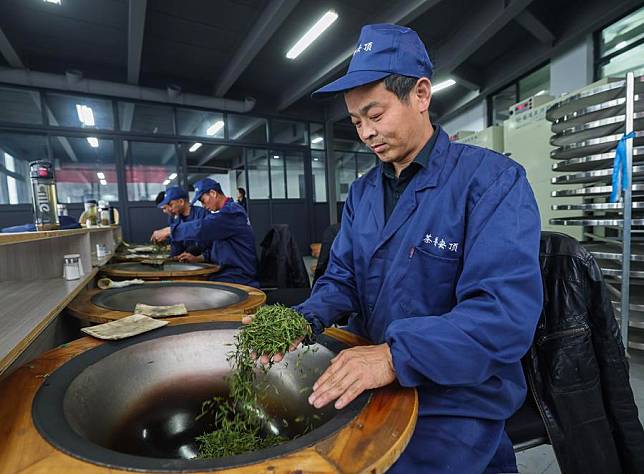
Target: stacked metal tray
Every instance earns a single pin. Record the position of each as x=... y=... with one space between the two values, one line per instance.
x=587 y=127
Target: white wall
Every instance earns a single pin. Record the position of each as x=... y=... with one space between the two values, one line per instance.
x=223 y=180
x=573 y=69
x=473 y=119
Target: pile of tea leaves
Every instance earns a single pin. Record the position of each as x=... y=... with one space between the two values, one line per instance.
x=238 y=424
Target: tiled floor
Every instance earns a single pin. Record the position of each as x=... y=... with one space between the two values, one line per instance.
x=541 y=460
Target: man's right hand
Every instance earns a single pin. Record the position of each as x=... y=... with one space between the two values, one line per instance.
x=187 y=257
x=160 y=235
x=264 y=359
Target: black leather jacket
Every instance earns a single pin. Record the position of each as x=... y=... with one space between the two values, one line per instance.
x=281 y=264
x=577 y=369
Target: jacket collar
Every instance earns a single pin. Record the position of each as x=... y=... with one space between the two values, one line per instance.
x=425 y=178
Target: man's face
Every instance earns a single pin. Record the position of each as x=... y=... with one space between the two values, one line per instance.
x=166 y=209
x=384 y=123
x=209 y=200
x=239 y=196
x=175 y=207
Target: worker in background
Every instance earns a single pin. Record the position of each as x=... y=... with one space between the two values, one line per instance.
x=230 y=238
x=176 y=204
x=438 y=256
x=241 y=198
x=161 y=235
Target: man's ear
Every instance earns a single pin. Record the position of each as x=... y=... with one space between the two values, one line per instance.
x=423 y=94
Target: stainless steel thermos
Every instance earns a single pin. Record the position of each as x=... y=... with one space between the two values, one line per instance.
x=43 y=188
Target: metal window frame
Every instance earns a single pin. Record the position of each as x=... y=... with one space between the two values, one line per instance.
x=118 y=136
x=489 y=99
x=601 y=61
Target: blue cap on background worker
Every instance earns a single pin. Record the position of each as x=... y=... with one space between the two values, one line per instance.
x=421 y=260
x=203 y=186
x=171 y=194
x=228 y=232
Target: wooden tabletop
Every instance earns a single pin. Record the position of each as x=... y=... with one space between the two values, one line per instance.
x=370 y=443
x=28 y=307
x=20 y=237
x=83 y=308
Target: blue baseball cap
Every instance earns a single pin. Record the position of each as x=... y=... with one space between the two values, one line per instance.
x=203 y=186
x=172 y=193
x=382 y=50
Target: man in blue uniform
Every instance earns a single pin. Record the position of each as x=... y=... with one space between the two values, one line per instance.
x=230 y=238
x=438 y=256
x=176 y=203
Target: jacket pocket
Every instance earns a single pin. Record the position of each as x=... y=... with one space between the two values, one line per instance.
x=569 y=359
x=428 y=285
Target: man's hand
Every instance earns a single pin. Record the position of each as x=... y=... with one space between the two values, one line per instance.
x=187 y=257
x=160 y=235
x=352 y=372
x=264 y=358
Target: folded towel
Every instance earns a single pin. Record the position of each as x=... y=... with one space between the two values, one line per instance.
x=105 y=283
x=161 y=311
x=124 y=327
x=142 y=249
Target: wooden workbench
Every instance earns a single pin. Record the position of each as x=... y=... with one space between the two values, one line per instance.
x=32 y=290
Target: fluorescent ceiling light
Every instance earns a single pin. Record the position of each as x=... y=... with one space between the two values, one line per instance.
x=172 y=176
x=85 y=115
x=166 y=182
x=93 y=142
x=316 y=159
x=55 y=2
x=215 y=127
x=276 y=157
x=541 y=92
x=103 y=182
x=621 y=44
x=442 y=85
x=310 y=36
x=317 y=140
x=194 y=147
x=100 y=175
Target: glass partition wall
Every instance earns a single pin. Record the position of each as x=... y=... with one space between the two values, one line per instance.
x=127 y=151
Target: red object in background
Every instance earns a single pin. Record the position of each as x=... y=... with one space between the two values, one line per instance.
x=43 y=172
x=138 y=174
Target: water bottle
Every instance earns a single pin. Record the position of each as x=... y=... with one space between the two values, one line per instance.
x=43 y=189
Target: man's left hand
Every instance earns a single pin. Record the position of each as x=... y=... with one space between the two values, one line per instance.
x=352 y=372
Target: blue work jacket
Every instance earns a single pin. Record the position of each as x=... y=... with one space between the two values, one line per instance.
x=230 y=243
x=451 y=281
x=177 y=247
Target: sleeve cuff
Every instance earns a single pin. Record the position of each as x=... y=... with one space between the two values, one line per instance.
x=316 y=325
x=401 y=359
